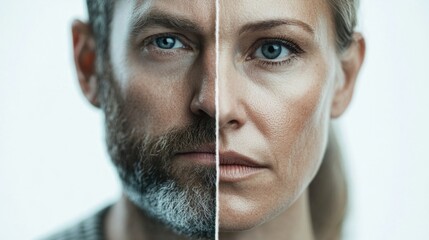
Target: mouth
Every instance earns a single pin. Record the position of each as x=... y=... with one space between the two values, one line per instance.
x=204 y=155
x=234 y=167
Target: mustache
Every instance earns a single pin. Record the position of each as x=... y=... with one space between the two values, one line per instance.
x=200 y=132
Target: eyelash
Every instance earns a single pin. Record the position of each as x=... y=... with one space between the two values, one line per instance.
x=149 y=41
x=290 y=45
x=277 y=63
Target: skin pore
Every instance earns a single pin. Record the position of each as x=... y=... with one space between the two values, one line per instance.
x=281 y=80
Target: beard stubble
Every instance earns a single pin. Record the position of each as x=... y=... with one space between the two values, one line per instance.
x=182 y=198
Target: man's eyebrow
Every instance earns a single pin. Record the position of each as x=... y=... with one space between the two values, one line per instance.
x=267 y=24
x=164 y=19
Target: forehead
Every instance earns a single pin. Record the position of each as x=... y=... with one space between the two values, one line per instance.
x=201 y=13
x=313 y=13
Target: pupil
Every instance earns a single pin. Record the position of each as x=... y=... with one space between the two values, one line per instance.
x=271 y=51
x=165 y=42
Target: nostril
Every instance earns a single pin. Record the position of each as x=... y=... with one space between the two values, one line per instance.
x=233 y=122
x=201 y=112
x=202 y=106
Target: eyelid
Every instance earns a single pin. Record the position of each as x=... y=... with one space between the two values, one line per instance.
x=289 y=44
x=183 y=39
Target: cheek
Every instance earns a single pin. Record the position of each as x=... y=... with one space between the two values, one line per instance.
x=288 y=119
x=293 y=121
x=155 y=101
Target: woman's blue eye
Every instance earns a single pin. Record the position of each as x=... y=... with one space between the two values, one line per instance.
x=168 y=43
x=272 y=51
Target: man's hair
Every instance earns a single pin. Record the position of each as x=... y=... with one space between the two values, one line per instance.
x=101 y=13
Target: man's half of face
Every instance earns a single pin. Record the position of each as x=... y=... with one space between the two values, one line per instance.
x=181 y=196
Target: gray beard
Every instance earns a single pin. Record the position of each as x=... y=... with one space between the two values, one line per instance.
x=182 y=199
x=186 y=210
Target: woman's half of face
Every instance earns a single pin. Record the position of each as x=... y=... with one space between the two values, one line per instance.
x=277 y=72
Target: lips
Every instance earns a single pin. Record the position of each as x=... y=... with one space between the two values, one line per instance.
x=202 y=155
x=235 y=167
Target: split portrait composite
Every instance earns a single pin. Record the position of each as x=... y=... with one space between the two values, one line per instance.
x=218 y=115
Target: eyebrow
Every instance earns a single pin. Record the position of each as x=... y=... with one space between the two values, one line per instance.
x=267 y=24
x=163 y=19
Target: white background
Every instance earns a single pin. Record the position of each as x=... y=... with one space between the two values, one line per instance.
x=54 y=169
x=387 y=128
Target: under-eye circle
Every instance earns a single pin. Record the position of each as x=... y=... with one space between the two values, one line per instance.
x=168 y=42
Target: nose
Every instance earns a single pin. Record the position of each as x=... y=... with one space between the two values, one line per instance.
x=203 y=101
x=232 y=91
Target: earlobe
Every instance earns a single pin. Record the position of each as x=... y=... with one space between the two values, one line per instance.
x=351 y=62
x=84 y=58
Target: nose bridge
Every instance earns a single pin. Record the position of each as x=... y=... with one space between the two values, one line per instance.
x=204 y=98
x=209 y=65
x=208 y=87
x=225 y=84
x=230 y=91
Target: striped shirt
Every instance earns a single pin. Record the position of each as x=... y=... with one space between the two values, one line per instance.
x=88 y=229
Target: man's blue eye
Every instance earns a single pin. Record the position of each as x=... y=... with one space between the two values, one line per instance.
x=272 y=51
x=168 y=43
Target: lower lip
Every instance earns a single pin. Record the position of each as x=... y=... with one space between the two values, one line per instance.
x=206 y=159
x=234 y=173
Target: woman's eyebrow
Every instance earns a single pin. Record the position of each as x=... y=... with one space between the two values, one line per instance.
x=163 y=19
x=267 y=24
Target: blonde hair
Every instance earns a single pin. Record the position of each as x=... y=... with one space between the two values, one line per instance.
x=345 y=19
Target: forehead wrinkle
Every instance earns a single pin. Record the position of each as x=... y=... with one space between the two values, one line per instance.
x=144 y=18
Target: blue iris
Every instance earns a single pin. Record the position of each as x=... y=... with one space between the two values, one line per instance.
x=271 y=50
x=165 y=42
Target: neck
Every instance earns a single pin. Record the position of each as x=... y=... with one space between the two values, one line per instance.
x=292 y=224
x=126 y=221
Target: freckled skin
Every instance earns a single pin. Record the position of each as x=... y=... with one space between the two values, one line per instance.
x=278 y=115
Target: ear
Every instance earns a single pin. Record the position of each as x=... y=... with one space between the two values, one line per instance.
x=84 y=59
x=351 y=62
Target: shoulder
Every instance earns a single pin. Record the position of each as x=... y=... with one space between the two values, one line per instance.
x=90 y=228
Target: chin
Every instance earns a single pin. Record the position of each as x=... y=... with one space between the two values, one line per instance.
x=242 y=222
x=242 y=215
x=238 y=224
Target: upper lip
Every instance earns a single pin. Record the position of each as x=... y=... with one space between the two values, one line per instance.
x=204 y=148
x=235 y=158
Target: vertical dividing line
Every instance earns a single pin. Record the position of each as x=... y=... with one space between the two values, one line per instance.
x=217 y=119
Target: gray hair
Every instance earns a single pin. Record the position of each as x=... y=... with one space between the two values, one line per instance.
x=100 y=14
